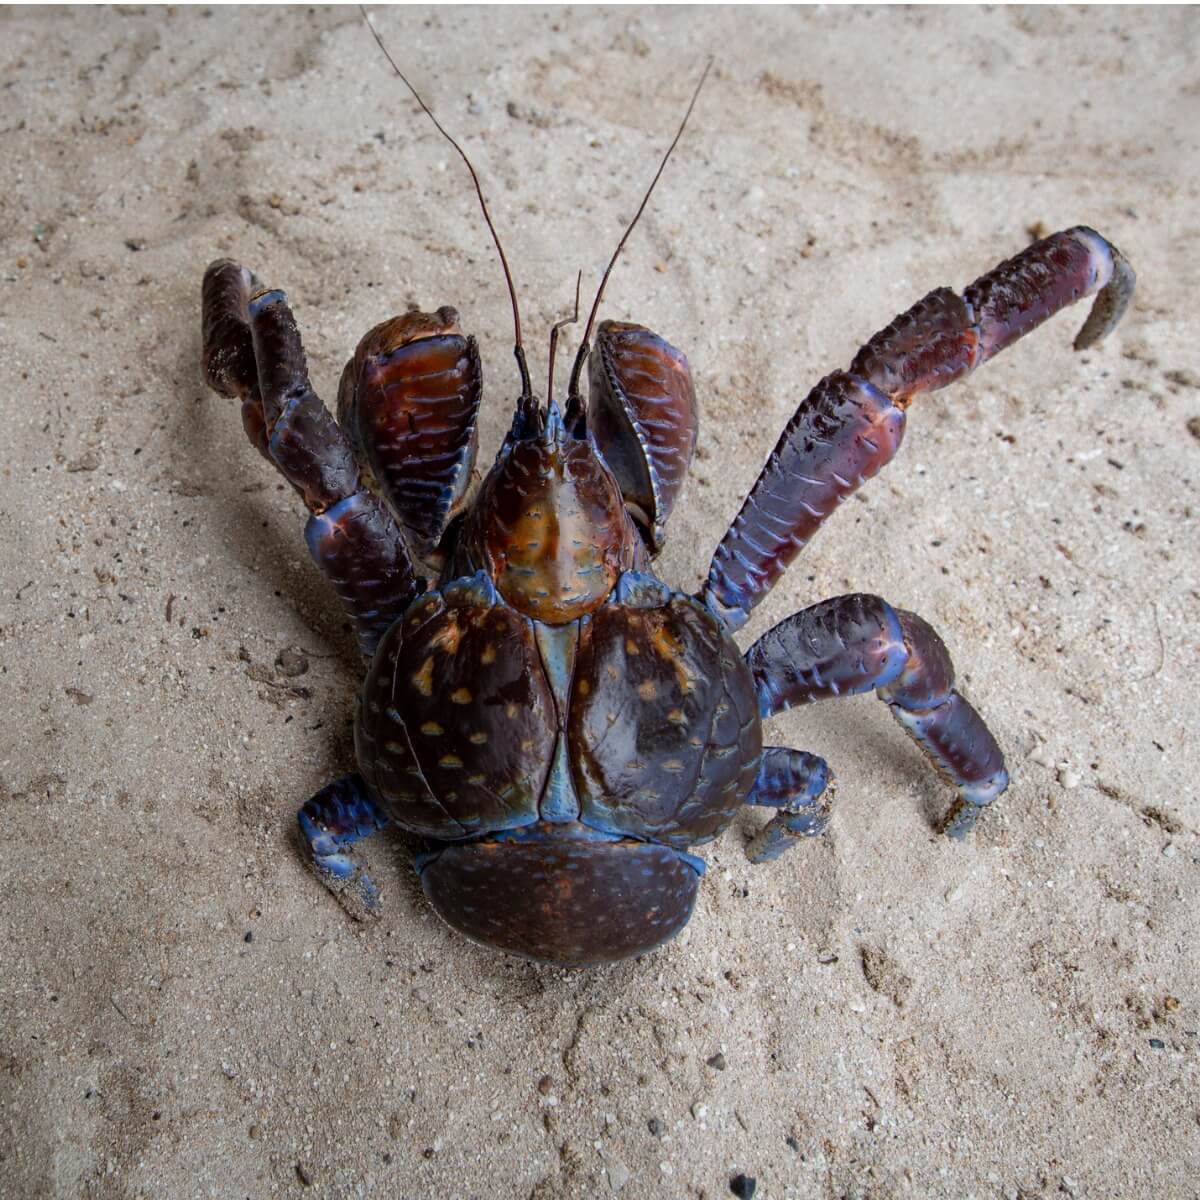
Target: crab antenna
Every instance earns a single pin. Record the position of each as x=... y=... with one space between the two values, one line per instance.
x=573 y=389
x=554 y=337
x=526 y=397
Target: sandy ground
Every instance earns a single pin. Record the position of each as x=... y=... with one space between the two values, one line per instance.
x=184 y=1011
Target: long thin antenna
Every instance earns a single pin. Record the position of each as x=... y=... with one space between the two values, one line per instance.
x=573 y=390
x=526 y=398
x=554 y=337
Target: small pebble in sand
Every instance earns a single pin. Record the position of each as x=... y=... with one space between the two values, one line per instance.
x=655 y=1126
x=1041 y=755
x=743 y=1186
x=1068 y=776
x=1157 y=1044
x=717 y=1062
x=618 y=1174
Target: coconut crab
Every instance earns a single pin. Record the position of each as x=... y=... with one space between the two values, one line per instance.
x=559 y=723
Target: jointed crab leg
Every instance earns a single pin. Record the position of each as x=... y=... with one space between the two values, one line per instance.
x=252 y=349
x=851 y=424
x=339 y=815
x=856 y=643
x=228 y=357
x=794 y=782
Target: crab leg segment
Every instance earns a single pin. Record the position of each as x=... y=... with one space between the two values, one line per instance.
x=856 y=643
x=229 y=366
x=305 y=442
x=253 y=350
x=850 y=424
x=794 y=782
x=843 y=433
x=339 y=815
x=945 y=336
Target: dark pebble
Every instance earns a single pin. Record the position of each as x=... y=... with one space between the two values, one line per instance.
x=655 y=1126
x=1157 y=1044
x=743 y=1186
x=792 y=1143
x=249 y=936
x=717 y=1062
x=303 y=1175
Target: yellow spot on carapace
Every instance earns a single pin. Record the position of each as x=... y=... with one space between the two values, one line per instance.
x=647 y=690
x=676 y=717
x=583 y=687
x=476 y=780
x=526 y=745
x=423 y=679
x=670 y=648
x=489 y=655
x=447 y=638
x=672 y=764
x=450 y=761
x=631 y=646
x=461 y=696
x=478 y=739
x=510 y=711
x=432 y=729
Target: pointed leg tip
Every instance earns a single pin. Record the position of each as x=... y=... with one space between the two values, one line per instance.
x=783 y=831
x=961 y=820
x=1111 y=301
x=357 y=893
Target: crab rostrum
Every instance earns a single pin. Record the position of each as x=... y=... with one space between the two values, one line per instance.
x=558 y=722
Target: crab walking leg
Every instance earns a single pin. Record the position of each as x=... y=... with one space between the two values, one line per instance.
x=945 y=336
x=228 y=357
x=339 y=815
x=797 y=784
x=852 y=644
x=253 y=350
x=850 y=425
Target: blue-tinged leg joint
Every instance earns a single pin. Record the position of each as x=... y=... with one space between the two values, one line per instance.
x=798 y=785
x=333 y=820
